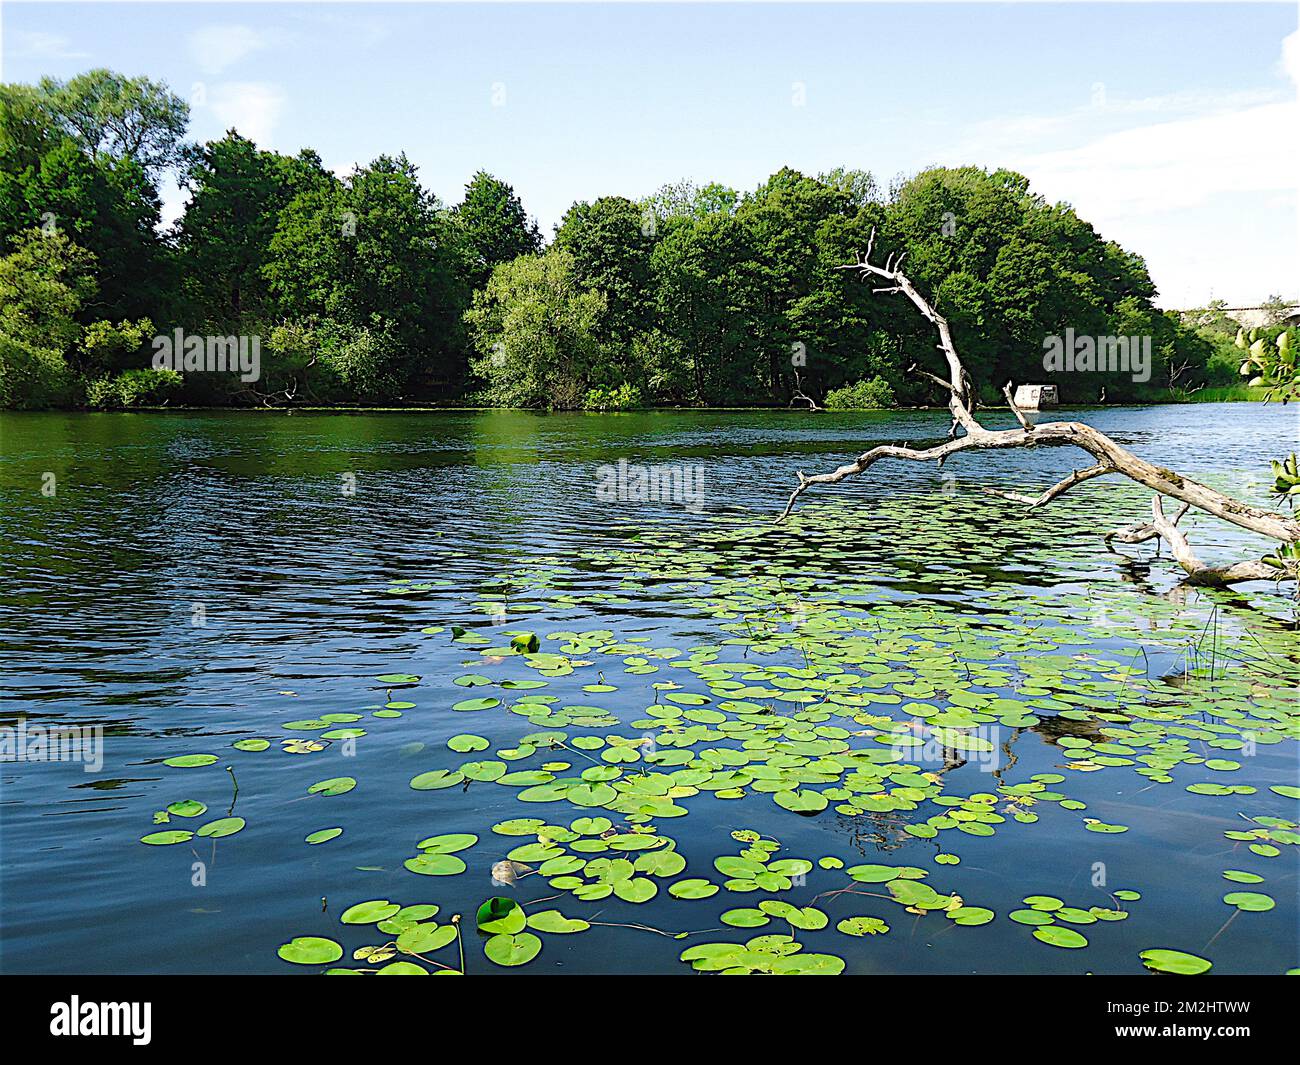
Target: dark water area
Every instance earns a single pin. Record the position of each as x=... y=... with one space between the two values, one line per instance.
x=189 y=580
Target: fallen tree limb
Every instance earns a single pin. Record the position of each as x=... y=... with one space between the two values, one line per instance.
x=1198 y=572
x=1058 y=489
x=1110 y=456
x=799 y=395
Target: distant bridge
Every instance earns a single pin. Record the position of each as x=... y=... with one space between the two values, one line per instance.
x=1250 y=317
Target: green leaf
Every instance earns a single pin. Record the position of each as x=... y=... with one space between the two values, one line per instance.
x=1056 y=936
x=449 y=843
x=555 y=921
x=324 y=835
x=437 y=779
x=333 y=786
x=163 y=839
x=484 y=703
x=862 y=926
x=435 y=864
x=693 y=889
x=970 y=915
x=425 y=938
x=223 y=826
x=510 y=950
x=369 y=912
x=1174 y=961
x=501 y=915
x=1250 y=901
x=190 y=761
x=310 y=950
x=745 y=918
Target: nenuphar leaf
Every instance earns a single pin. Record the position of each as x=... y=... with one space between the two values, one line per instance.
x=511 y=950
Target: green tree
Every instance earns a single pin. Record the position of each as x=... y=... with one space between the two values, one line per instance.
x=1008 y=270
x=493 y=227
x=105 y=203
x=124 y=118
x=237 y=193
x=537 y=333
x=44 y=283
x=611 y=246
x=376 y=251
x=684 y=201
x=711 y=298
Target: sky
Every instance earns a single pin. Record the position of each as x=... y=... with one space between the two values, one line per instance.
x=1174 y=129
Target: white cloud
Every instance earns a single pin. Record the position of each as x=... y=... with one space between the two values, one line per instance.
x=1291 y=57
x=215 y=48
x=1106 y=114
x=361 y=32
x=251 y=107
x=25 y=44
x=1203 y=185
x=1171 y=165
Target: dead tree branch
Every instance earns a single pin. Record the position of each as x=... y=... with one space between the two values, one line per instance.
x=1166 y=529
x=1058 y=489
x=1110 y=456
x=800 y=395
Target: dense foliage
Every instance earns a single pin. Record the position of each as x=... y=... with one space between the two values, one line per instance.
x=366 y=289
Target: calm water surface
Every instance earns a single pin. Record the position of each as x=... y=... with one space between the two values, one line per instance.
x=245 y=522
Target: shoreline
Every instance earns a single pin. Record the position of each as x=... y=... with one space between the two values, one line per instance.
x=469 y=409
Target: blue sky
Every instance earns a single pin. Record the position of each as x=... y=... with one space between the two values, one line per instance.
x=1173 y=128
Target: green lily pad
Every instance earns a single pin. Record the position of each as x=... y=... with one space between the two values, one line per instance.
x=324 y=835
x=310 y=950
x=1056 y=936
x=164 y=839
x=332 y=786
x=510 y=950
x=1250 y=901
x=693 y=889
x=369 y=912
x=223 y=826
x=501 y=916
x=554 y=921
x=428 y=864
x=190 y=761
x=862 y=926
x=1174 y=961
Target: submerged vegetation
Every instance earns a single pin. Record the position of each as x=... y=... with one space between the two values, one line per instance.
x=897 y=705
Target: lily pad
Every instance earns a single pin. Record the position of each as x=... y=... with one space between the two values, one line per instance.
x=310 y=950
x=1174 y=961
x=513 y=949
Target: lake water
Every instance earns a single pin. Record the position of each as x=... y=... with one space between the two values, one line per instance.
x=190 y=580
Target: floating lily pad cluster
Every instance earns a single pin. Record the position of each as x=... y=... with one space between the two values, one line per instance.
x=1057 y=925
x=899 y=699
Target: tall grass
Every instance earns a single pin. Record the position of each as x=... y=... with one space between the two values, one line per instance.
x=1228 y=394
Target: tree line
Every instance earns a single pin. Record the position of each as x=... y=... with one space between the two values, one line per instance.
x=367 y=289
